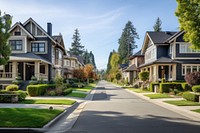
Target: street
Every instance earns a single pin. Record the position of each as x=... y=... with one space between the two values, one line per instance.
x=114 y=110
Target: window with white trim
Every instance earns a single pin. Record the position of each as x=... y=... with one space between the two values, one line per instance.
x=67 y=63
x=38 y=47
x=190 y=68
x=72 y=63
x=16 y=45
x=185 y=48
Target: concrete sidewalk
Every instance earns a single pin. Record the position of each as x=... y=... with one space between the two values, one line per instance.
x=183 y=110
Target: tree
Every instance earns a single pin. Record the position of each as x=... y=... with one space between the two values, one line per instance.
x=188 y=16
x=76 y=47
x=92 y=59
x=86 y=57
x=127 y=42
x=144 y=76
x=109 y=63
x=193 y=78
x=114 y=62
x=79 y=74
x=157 y=26
x=5 y=23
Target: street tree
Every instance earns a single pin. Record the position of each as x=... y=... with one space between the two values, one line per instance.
x=188 y=16
x=5 y=23
x=127 y=42
x=157 y=26
x=76 y=47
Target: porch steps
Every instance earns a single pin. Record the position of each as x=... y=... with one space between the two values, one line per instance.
x=24 y=85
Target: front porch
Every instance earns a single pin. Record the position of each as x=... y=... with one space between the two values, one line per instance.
x=159 y=71
x=25 y=70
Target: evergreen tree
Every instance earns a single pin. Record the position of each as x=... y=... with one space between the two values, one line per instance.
x=92 y=59
x=86 y=57
x=157 y=26
x=109 y=63
x=188 y=15
x=5 y=23
x=127 y=42
x=76 y=47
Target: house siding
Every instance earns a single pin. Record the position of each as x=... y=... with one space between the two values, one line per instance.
x=162 y=51
x=179 y=72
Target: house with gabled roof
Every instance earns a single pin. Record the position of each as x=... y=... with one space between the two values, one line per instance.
x=35 y=52
x=167 y=55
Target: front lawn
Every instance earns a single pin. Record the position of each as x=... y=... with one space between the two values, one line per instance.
x=87 y=88
x=48 y=101
x=138 y=90
x=76 y=94
x=183 y=103
x=26 y=117
x=197 y=110
x=157 y=96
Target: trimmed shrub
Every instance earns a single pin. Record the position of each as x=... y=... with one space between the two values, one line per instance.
x=166 y=87
x=196 y=88
x=12 y=88
x=21 y=95
x=163 y=80
x=151 y=87
x=40 y=89
x=7 y=98
x=193 y=78
x=185 y=87
x=144 y=75
x=191 y=96
x=67 y=91
x=50 y=93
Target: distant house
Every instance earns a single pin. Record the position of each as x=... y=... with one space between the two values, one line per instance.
x=35 y=52
x=167 y=55
x=132 y=70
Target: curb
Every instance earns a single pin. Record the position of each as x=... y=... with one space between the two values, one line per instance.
x=189 y=114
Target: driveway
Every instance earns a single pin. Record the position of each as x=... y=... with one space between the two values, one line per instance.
x=114 y=110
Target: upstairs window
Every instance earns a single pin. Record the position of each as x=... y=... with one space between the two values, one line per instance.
x=38 y=47
x=17 y=33
x=16 y=45
x=185 y=48
x=170 y=48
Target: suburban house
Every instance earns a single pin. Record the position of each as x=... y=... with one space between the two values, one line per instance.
x=35 y=52
x=131 y=72
x=71 y=62
x=167 y=55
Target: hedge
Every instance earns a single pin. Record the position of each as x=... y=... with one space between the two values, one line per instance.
x=152 y=84
x=165 y=87
x=7 y=98
x=12 y=88
x=39 y=90
x=196 y=88
x=191 y=96
x=67 y=91
x=185 y=87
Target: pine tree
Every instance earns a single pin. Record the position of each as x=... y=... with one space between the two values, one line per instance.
x=92 y=59
x=109 y=63
x=188 y=15
x=86 y=57
x=5 y=23
x=127 y=42
x=157 y=26
x=76 y=47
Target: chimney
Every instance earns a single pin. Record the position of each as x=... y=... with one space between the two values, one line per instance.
x=49 y=29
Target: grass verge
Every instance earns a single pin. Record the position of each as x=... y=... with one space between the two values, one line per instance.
x=76 y=94
x=183 y=103
x=138 y=90
x=48 y=101
x=197 y=110
x=26 y=117
x=157 y=96
x=87 y=88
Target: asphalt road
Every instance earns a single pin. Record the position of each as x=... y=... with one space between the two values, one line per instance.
x=114 y=110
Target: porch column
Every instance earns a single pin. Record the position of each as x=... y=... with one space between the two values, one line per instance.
x=156 y=73
x=170 y=76
x=14 y=70
x=37 y=70
x=174 y=72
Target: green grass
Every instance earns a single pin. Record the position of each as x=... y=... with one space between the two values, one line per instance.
x=76 y=94
x=197 y=110
x=138 y=90
x=48 y=101
x=26 y=117
x=157 y=96
x=183 y=103
x=87 y=88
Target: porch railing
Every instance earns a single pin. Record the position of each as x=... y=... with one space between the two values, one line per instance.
x=5 y=75
x=44 y=76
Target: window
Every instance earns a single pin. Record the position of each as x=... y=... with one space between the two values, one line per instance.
x=183 y=70
x=170 y=48
x=53 y=55
x=185 y=48
x=16 y=44
x=190 y=68
x=67 y=63
x=73 y=64
x=38 y=47
x=194 y=68
x=42 y=69
x=17 y=33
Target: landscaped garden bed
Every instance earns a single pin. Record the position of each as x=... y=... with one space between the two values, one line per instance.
x=183 y=103
x=26 y=117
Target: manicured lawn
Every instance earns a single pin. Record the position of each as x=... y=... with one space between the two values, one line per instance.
x=197 y=110
x=157 y=96
x=48 y=101
x=26 y=117
x=183 y=103
x=138 y=90
x=76 y=94
x=87 y=88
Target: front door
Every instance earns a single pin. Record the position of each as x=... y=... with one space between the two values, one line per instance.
x=29 y=70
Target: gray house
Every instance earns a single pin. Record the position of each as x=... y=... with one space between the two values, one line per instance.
x=167 y=55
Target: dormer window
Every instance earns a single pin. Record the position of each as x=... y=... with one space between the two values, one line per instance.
x=38 y=47
x=17 y=33
x=16 y=45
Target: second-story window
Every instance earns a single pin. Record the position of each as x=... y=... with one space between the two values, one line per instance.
x=73 y=63
x=38 y=47
x=16 y=44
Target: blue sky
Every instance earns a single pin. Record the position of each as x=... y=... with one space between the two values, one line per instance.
x=100 y=22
